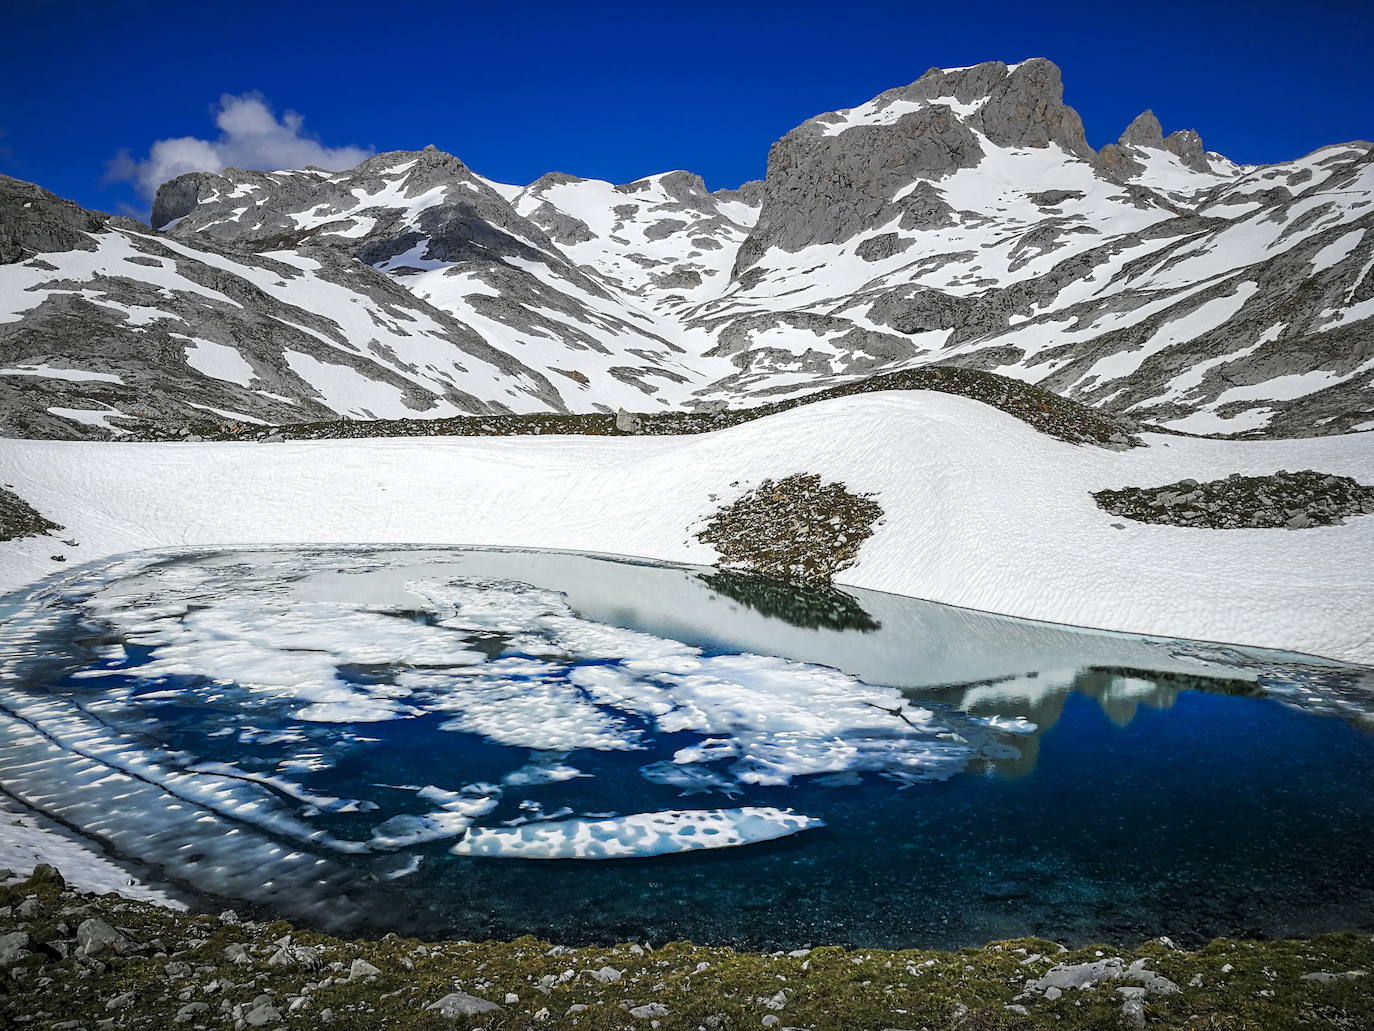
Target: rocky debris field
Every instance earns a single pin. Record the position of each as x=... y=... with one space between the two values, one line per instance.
x=1295 y=501
x=70 y=961
x=20 y=519
x=1047 y=412
x=796 y=528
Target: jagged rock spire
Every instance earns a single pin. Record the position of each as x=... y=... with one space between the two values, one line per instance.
x=1144 y=131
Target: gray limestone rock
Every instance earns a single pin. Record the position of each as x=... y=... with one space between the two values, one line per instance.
x=460 y=1004
x=14 y=947
x=94 y=936
x=1144 y=131
x=885 y=245
x=34 y=221
x=1186 y=145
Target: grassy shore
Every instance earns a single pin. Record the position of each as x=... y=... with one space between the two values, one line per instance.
x=69 y=961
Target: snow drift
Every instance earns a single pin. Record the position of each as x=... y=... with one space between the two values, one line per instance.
x=980 y=510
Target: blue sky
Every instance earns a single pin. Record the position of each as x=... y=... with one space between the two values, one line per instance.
x=618 y=91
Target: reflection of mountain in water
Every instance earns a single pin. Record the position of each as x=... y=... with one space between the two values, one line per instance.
x=1120 y=691
x=810 y=606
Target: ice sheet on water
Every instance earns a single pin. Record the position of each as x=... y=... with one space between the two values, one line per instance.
x=637 y=835
x=296 y=641
x=562 y=683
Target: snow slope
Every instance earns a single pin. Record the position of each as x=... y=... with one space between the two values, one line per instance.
x=981 y=510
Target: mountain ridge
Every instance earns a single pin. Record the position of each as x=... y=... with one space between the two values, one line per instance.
x=961 y=219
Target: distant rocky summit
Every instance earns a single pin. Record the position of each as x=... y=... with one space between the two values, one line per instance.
x=962 y=219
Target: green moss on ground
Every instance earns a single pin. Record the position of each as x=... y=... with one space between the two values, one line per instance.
x=1047 y=412
x=199 y=971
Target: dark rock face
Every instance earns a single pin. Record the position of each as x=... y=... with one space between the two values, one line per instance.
x=1186 y=145
x=1144 y=131
x=1116 y=160
x=179 y=197
x=20 y=519
x=824 y=188
x=34 y=221
x=885 y=245
x=1294 y=501
x=1026 y=109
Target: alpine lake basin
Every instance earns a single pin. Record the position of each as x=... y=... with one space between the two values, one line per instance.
x=487 y=743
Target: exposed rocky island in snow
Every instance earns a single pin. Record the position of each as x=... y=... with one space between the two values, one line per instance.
x=962 y=219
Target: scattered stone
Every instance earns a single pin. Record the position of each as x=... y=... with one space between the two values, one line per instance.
x=94 y=936
x=1326 y=977
x=797 y=528
x=460 y=1004
x=261 y=1012
x=1284 y=500
x=1133 y=1010
x=362 y=968
x=14 y=947
x=649 y=1011
x=1077 y=975
x=44 y=874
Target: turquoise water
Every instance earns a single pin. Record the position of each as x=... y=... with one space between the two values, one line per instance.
x=1165 y=788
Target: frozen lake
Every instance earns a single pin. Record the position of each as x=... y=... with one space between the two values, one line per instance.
x=488 y=743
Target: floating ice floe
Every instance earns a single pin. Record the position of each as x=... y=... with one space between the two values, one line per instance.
x=276 y=646
x=550 y=772
x=636 y=836
x=294 y=632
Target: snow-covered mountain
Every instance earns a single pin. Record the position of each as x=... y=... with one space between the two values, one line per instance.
x=961 y=219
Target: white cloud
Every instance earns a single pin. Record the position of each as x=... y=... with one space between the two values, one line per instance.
x=251 y=136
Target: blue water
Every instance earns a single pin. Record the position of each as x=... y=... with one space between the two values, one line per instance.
x=1148 y=802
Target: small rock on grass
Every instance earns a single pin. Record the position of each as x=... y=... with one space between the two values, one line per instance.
x=460 y=1004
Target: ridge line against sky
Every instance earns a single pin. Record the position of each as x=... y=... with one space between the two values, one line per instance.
x=607 y=92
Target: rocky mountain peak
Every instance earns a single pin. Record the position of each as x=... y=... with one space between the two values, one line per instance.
x=1186 y=145
x=177 y=198
x=1026 y=109
x=1144 y=131
x=839 y=173
x=34 y=221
